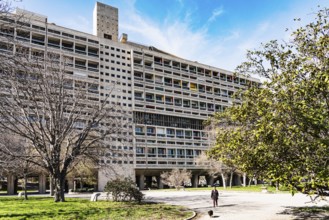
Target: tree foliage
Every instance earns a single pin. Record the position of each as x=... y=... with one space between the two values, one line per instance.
x=280 y=130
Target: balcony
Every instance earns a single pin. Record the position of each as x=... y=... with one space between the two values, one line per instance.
x=23 y=38
x=7 y=33
x=38 y=42
x=149 y=99
x=80 y=66
x=80 y=51
x=93 y=69
x=92 y=54
x=139 y=98
x=67 y=48
x=54 y=45
x=138 y=78
x=149 y=80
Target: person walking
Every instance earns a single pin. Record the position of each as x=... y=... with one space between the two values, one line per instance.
x=214 y=196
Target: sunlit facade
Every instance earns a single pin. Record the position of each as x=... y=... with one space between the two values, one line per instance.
x=166 y=98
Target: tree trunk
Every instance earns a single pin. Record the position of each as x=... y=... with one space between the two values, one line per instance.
x=25 y=184
x=59 y=184
x=81 y=184
x=231 y=178
x=224 y=180
x=250 y=179
x=244 y=179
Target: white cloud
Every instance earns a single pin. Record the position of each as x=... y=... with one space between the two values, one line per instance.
x=215 y=13
x=225 y=51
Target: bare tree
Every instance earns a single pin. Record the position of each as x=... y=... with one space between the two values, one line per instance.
x=176 y=177
x=214 y=168
x=59 y=115
x=15 y=158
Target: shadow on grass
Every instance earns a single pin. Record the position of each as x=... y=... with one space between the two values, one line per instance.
x=307 y=212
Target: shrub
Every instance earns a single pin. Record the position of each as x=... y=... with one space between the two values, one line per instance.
x=123 y=190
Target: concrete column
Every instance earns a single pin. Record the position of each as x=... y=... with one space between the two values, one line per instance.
x=42 y=183
x=141 y=182
x=51 y=186
x=237 y=181
x=195 y=180
x=75 y=185
x=11 y=189
x=210 y=180
x=148 y=180
x=160 y=183
x=70 y=183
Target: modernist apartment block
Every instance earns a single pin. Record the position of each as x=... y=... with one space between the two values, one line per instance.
x=166 y=98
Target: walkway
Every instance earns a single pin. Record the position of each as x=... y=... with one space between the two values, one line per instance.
x=236 y=205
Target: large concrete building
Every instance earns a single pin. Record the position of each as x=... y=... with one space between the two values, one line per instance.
x=166 y=97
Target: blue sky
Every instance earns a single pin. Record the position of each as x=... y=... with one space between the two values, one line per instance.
x=214 y=32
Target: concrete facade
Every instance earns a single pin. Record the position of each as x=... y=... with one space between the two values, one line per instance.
x=164 y=98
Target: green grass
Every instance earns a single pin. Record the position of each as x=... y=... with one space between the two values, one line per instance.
x=252 y=188
x=74 y=208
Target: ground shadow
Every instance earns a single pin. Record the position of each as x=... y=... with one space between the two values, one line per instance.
x=228 y=205
x=307 y=212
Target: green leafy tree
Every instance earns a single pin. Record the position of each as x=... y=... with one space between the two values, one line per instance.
x=280 y=130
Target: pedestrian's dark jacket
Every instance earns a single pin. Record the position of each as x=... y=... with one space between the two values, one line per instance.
x=214 y=194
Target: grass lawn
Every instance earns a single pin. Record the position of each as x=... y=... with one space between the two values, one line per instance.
x=74 y=208
x=252 y=188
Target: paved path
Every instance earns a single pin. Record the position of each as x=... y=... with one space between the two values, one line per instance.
x=237 y=205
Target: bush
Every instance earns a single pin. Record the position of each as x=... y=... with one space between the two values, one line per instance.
x=123 y=190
